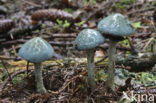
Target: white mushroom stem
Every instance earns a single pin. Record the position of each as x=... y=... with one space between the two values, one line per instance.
x=91 y=71
x=111 y=64
x=38 y=78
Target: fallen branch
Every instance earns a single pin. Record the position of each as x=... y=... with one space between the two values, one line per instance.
x=140 y=62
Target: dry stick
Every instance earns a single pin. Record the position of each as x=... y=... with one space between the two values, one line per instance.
x=11 y=36
x=131 y=45
x=143 y=41
x=141 y=10
x=93 y=100
x=130 y=42
x=153 y=25
x=143 y=35
x=20 y=41
x=6 y=69
x=7 y=58
x=13 y=48
x=55 y=35
x=83 y=73
x=31 y=3
x=122 y=67
x=103 y=58
x=71 y=35
x=147 y=44
x=59 y=35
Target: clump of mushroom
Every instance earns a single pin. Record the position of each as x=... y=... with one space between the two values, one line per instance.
x=36 y=51
x=114 y=27
x=89 y=39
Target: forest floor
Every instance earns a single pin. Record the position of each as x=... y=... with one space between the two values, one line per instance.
x=65 y=74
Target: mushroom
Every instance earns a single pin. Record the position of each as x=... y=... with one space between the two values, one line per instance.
x=114 y=27
x=36 y=51
x=89 y=39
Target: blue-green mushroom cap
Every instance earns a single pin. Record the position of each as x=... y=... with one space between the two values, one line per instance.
x=36 y=50
x=88 y=39
x=116 y=25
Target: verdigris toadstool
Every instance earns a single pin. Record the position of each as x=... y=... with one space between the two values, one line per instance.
x=36 y=51
x=115 y=27
x=89 y=39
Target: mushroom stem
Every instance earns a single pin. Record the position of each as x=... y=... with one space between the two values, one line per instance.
x=38 y=78
x=91 y=71
x=111 y=64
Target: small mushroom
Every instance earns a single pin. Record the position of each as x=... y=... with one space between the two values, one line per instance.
x=114 y=27
x=89 y=39
x=36 y=51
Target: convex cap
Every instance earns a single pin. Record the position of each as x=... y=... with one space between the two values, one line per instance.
x=88 y=39
x=36 y=50
x=116 y=25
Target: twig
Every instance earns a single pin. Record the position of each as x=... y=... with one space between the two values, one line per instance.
x=131 y=45
x=104 y=47
x=142 y=35
x=92 y=100
x=83 y=73
x=153 y=25
x=6 y=69
x=71 y=35
x=103 y=58
x=8 y=58
x=13 y=48
x=147 y=44
x=141 y=10
x=31 y=3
